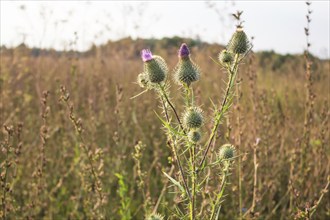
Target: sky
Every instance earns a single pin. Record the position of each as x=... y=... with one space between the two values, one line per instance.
x=275 y=25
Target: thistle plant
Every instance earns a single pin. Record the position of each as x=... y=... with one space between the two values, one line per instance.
x=185 y=130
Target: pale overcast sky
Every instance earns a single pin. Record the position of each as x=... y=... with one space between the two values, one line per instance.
x=277 y=25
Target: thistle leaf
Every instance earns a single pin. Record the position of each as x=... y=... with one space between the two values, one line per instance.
x=174 y=182
x=144 y=91
x=168 y=126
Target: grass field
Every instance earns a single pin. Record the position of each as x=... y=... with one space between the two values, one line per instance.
x=74 y=145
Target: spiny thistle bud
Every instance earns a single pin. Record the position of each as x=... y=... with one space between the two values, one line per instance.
x=225 y=57
x=154 y=67
x=239 y=42
x=193 y=118
x=186 y=71
x=155 y=217
x=194 y=136
x=142 y=80
x=227 y=152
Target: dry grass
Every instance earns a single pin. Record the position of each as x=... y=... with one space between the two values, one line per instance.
x=50 y=173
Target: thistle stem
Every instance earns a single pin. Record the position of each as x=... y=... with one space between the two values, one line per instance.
x=191 y=147
x=163 y=92
x=188 y=93
x=175 y=153
x=181 y=169
x=222 y=187
x=193 y=184
x=224 y=107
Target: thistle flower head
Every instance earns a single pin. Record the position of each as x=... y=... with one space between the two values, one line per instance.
x=193 y=118
x=239 y=43
x=155 y=216
x=226 y=152
x=184 y=51
x=225 y=57
x=186 y=71
x=146 y=55
x=194 y=136
x=155 y=67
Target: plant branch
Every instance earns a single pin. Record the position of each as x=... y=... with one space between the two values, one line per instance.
x=223 y=109
x=163 y=92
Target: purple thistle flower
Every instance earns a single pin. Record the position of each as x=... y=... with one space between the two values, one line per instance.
x=146 y=55
x=184 y=50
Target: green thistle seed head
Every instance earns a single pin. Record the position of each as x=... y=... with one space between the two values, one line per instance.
x=225 y=57
x=155 y=217
x=194 y=136
x=142 y=80
x=193 y=118
x=239 y=43
x=186 y=70
x=226 y=152
x=156 y=69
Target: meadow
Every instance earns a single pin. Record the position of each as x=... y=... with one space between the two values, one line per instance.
x=74 y=145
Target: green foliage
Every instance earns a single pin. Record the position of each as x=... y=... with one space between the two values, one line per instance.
x=125 y=200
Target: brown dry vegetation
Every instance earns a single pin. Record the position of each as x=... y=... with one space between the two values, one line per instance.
x=49 y=172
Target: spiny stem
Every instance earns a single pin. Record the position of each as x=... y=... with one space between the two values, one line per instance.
x=163 y=94
x=180 y=168
x=165 y=110
x=193 y=183
x=220 y=113
x=188 y=93
x=191 y=147
x=223 y=184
